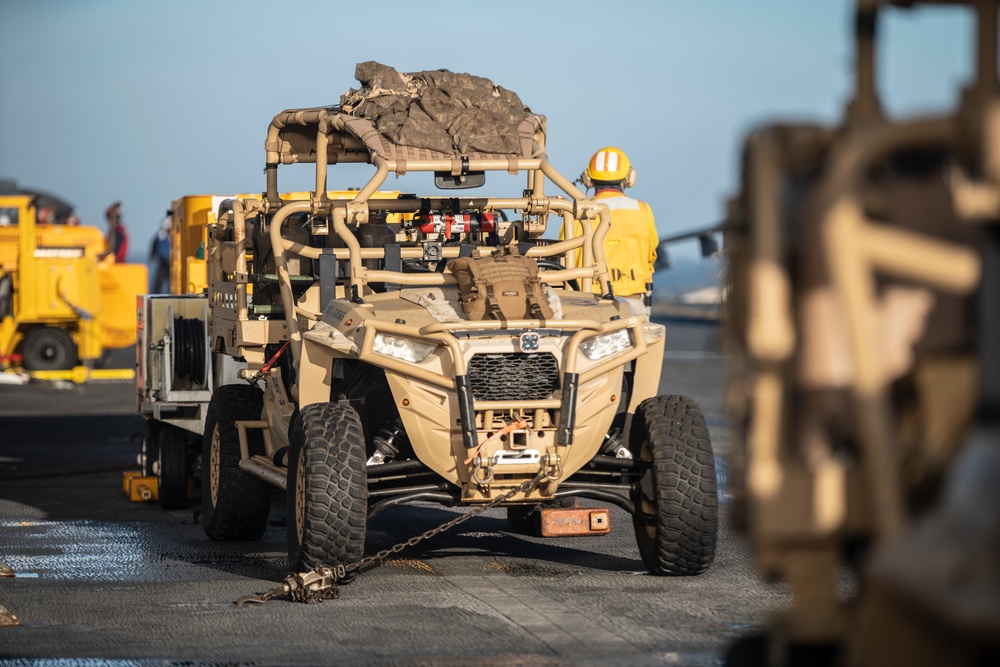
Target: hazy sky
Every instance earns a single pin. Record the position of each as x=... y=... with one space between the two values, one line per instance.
x=147 y=101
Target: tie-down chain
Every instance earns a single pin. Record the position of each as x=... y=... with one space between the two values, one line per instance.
x=320 y=583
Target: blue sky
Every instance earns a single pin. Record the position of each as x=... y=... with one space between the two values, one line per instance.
x=147 y=101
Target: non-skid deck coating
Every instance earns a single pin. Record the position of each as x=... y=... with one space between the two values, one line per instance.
x=106 y=582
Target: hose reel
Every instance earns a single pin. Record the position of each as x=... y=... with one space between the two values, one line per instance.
x=190 y=339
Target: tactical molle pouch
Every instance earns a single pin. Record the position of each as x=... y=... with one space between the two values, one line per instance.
x=500 y=286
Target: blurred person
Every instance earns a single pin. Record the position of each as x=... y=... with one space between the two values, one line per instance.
x=116 y=238
x=46 y=215
x=631 y=241
x=159 y=257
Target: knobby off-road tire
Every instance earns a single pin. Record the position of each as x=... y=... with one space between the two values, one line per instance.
x=676 y=521
x=234 y=504
x=49 y=349
x=327 y=487
x=172 y=454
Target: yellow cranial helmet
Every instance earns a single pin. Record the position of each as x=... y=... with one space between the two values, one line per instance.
x=609 y=165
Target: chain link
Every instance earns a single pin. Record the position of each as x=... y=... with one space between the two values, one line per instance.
x=321 y=583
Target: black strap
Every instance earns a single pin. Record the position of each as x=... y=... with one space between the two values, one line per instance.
x=532 y=285
x=492 y=306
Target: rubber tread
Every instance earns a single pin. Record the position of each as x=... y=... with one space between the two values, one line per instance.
x=684 y=483
x=244 y=501
x=331 y=438
x=172 y=453
x=150 y=445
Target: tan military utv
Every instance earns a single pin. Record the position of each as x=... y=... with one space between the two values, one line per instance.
x=863 y=347
x=447 y=354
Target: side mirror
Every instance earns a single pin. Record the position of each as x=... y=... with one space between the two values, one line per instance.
x=443 y=180
x=709 y=246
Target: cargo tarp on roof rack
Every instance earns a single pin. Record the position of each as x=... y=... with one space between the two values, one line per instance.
x=437 y=109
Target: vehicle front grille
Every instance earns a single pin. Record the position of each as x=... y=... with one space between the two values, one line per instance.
x=513 y=376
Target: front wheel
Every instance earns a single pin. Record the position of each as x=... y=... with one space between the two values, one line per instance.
x=676 y=518
x=234 y=504
x=327 y=487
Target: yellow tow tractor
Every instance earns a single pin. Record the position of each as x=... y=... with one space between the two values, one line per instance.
x=61 y=307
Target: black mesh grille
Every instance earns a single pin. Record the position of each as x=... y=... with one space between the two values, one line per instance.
x=513 y=376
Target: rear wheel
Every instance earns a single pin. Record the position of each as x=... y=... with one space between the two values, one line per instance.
x=48 y=349
x=327 y=488
x=172 y=471
x=150 y=447
x=235 y=504
x=676 y=519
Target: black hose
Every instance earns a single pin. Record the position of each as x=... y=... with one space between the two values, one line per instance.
x=181 y=349
x=189 y=349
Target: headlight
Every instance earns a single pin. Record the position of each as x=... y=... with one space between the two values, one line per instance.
x=606 y=345
x=402 y=348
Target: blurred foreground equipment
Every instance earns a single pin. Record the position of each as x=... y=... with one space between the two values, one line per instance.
x=59 y=305
x=863 y=330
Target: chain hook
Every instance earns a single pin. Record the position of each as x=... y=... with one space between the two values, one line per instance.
x=263 y=597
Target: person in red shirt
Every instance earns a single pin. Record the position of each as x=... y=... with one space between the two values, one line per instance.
x=116 y=239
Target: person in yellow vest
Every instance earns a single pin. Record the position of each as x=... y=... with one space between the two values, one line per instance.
x=630 y=245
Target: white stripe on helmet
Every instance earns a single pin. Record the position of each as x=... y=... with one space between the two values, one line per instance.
x=609 y=159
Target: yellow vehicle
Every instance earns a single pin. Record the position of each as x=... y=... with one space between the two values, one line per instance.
x=59 y=304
